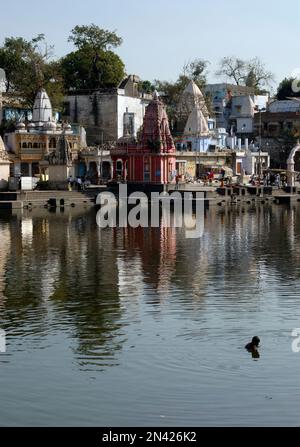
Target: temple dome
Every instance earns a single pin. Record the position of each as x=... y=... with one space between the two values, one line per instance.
x=196 y=124
x=190 y=98
x=21 y=126
x=42 y=108
x=192 y=89
x=50 y=125
x=67 y=126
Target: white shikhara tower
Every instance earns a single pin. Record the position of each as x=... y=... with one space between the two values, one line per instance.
x=192 y=97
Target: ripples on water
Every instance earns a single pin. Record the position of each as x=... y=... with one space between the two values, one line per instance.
x=146 y=327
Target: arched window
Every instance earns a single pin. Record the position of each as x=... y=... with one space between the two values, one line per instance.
x=119 y=168
x=35 y=145
x=24 y=145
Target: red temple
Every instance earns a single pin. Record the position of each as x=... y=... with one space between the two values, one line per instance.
x=152 y=159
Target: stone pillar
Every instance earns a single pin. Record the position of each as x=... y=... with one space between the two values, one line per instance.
x=99 y=169
x=290 y=173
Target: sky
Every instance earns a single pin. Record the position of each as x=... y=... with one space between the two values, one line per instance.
x=160 y=36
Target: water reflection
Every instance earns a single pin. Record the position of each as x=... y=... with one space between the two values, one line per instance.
x=95 y=291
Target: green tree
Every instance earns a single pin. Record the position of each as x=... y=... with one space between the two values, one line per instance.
x=28 y=67
x=91 y=36
x=92 y=65
x=81 y=70
x=146 y=87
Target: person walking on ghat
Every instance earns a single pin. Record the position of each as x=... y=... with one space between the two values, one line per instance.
x=79 y=184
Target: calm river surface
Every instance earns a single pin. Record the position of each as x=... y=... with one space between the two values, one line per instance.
x=122 y=327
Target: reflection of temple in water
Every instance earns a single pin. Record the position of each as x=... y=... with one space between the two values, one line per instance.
x=59 y=270
x=152 y=252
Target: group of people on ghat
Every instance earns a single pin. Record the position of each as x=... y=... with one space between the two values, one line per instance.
x=79 y=183
x=270 y=179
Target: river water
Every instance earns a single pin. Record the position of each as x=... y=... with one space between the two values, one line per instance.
x=141 y=327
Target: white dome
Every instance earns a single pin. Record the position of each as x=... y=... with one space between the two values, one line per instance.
x=42 y=109
x=20 y=126
x=31 y=125
x=50 y=125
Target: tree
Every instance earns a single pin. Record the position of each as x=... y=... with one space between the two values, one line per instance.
x=196 y=70
x=93 y=65
x=233 y=68
x=82 y=71
x=146 y=87
x=257 y=76
x=251 y=73
x=288 y=88
x=28 y=68
x=91 y=36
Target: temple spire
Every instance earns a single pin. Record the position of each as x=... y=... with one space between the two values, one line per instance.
x=156 y=131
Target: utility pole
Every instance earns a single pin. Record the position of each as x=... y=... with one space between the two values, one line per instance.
x=259 y=156
x=260 y=138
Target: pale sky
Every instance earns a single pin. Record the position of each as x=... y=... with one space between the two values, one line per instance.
x=159 y=36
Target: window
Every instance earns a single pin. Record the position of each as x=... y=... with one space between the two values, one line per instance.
x=146 y=169
x=66 y=108
x=119 y=168
x=52 y=143
x=128 y=124
x=180 y=167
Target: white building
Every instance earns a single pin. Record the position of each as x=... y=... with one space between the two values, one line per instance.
x=243 y=109
x=108 y=114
